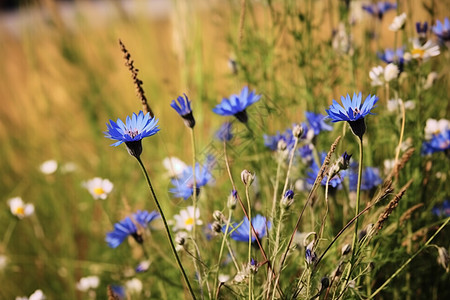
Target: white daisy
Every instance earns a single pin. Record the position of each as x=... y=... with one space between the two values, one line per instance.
x=185 y=220
x=398 y=22
x=19 y=208
x=425 y=51
x=134 y=286
x=87 y=283
x=49 y=167
x=37 y=295
x=380 y=75
x=434 y=127
x=99 y=188
x=174 y=166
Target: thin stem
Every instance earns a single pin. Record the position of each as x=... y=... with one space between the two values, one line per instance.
x=408 y=261
x=166 y=227
x=230 y=212
x=249 y=240
x=194 y=181
x=275 y=191
x=397 y=153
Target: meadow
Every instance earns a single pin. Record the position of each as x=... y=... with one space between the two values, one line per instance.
x=324 y=123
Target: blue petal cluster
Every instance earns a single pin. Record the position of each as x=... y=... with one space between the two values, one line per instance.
x=271 y=141
x=352 y=108
x=379 y=9
x=391 y=56
x=239 y=232
x=236 y=104
x=317 y=122
x=184 y=185
x=184 y=106
x=439 y=142
x=442 y=210
x=135 y=129
x=127 y=227
x=224 y=133
x=370 y=178
x=442 y=30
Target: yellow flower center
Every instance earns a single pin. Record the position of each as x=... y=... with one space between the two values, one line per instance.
x=98 y=191
x=189 y=221
x=419 y=52
x=20 y=211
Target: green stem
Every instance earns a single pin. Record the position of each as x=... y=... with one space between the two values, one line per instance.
x=194 y=180
x=249 y=241
x=230 y=212
x=166 y=227
x=358 y=196
x=408 y=261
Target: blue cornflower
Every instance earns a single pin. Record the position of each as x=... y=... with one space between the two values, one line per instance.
x=239 y=232
x=442 y=210
x=353 y=111
x=391 y=56
x=317 y=122
x=370 y=178
x=144 y=217
x=132 y=132
x=310 y=256
x=271 y=141
x=439 y=142
x=121 y=231
x=117 y=292
x=184 y=185
x=312 y=174
x=127 y=227
x=422 y=29
x=224 y=133
x=306 y=153
x=442 y=30
x=184 y=110
x=378 y=9
x=236 y=105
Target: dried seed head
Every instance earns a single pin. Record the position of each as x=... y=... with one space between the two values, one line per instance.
x=232 y=200
x=218 y=215
x=346 y=249
x=216 y=227
x=443 y=258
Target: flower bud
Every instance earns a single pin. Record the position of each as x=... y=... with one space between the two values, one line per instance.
x=297 y=130
x=247 y=177
x=287 y=200
x=443 y=258
x=281 y=146
x=232 y=200
x=216 y=227
x=218 y=215
x=346 y=249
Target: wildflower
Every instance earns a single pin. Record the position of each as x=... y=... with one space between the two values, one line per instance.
x=223 y=278
x=439 y=142
x=424 y=52
x=116 y=292
x=342 y=41
x=174 y=166
x=398 y=22
x=442 y=210
x=87 y=283
x=370 y=178
x=224 y=133
x=306 y=153
x=239 y=232
x=379 y=9
x=136 y=128
x=99 y=188
x=134 y=286
x=394 y=104
x=391 y=56
x=317 y=122
x=143 y=266
x=185 y=220
x=335 y=181
x=183 y=108
x=19 y=208
x=247 y=177
x=442 y=30
x=48 y=167
x=218 y=216
x=144 y=218
x=232 y=200
x=181 y=239
x=184 y=185
x=37 y=295
x=310 y=254
x=380 y=75
x=236 y=105
x=272 y=141
x=422 y=29
x=435 y=127
x=121 y=231
x=287 y=200
x=353 y=111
